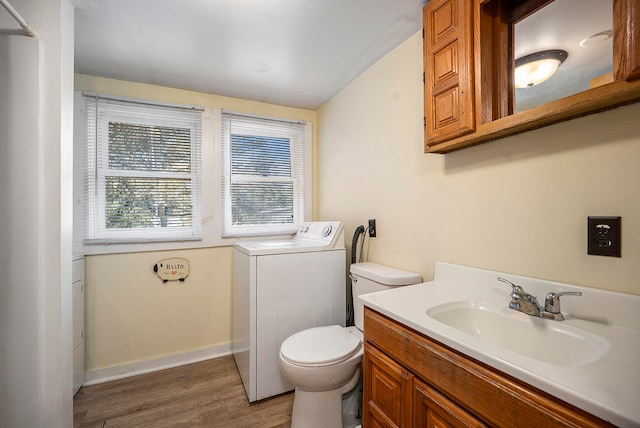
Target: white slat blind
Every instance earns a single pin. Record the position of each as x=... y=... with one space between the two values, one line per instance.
x=264 y=175
x=143 y=172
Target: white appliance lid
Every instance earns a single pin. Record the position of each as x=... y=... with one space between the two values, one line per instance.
x=320 y=345
x=311 y=236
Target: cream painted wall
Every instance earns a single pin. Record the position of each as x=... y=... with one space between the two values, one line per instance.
x=130 y=316
x=163 y=93
x=518 y=205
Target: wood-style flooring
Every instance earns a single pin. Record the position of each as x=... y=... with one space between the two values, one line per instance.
x=205 y=394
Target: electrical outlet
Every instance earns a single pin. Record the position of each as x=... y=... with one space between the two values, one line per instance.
x=603 y=236
x=372 y=228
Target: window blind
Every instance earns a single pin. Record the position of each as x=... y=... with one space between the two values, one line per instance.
x=263 y=162
x=143 y=172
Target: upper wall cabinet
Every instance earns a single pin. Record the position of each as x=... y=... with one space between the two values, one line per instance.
x=472 y=47
x=448 y=45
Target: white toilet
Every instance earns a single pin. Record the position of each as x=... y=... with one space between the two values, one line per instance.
x=323 y=363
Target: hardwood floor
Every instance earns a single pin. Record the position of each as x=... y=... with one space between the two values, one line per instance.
x=205 y=394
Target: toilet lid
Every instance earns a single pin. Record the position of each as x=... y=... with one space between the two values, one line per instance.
x=320 y=345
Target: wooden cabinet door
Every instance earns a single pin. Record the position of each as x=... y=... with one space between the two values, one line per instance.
x=387 y=396
x=448 y=66
x=434 y=410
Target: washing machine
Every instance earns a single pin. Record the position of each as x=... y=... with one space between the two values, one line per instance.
x=279 y=288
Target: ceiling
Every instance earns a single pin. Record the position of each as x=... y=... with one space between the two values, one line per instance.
x=300 y=53
x=296 y=53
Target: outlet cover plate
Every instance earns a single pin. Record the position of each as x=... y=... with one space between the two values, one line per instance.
x=603 y=236
x=372 y=228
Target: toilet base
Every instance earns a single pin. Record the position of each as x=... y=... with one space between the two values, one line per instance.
x=322 y=409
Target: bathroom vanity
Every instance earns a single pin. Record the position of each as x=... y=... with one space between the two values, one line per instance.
x=436 y=386
x=452 y=353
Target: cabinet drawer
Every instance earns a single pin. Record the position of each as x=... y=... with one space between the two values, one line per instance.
x=434 y=410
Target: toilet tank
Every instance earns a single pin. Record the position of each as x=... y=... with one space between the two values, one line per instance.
x=369 y=277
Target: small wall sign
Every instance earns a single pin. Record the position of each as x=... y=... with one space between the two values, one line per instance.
x=175 y=269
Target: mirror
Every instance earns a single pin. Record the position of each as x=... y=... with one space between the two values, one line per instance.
x=581 y=28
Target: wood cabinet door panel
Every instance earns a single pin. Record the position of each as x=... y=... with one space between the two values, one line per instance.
x=387 y=392
x=445 y=63
x=444 y=17
x=445 y=108
x=448 y=66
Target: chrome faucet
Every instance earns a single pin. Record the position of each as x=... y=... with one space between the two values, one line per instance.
x=528 y=304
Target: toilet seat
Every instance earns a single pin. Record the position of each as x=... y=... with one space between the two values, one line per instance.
x=320 y=346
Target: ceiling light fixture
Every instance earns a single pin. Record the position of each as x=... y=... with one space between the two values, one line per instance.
x=537 y=67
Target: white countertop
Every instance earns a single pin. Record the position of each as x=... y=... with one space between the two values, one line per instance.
x=608 y=387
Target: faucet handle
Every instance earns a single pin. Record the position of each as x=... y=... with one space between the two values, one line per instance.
x=515 y=289
x=552 y=301
x=517 y=292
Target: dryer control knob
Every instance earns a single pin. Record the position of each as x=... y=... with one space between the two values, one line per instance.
x=326 y=231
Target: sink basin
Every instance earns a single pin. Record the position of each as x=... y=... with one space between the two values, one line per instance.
x=553 y=342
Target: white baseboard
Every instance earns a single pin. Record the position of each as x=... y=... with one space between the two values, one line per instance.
x=112 y=373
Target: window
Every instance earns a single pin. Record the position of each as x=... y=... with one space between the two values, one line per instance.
x=143 y=171
x=266 y=164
